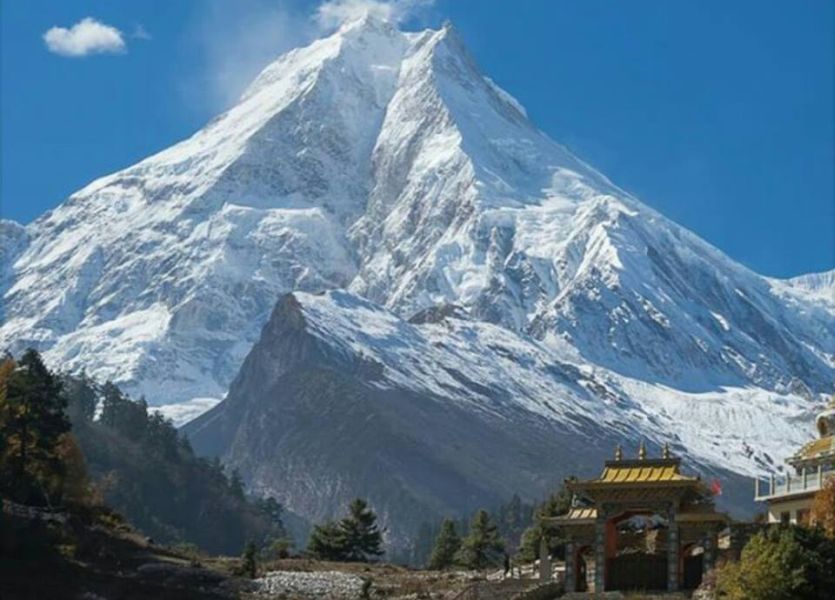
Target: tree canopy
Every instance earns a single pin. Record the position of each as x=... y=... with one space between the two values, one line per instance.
x=446 y=548
x=32 y=423
x=781 y=563
x=482 y=547
x=555 y=505
x=823 y=508
x=354 y=538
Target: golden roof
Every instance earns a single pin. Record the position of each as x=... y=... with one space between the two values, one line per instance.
x=582 y=513
x=816 y=448
x=575 y=516
x=641 y=474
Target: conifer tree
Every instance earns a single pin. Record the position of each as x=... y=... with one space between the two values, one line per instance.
x=236 y=484
x=422 y=545
x=555 y=505
x=327 y=542
x=81 y=394
x=482 y=547
x=354 y=538
x=249 y=566
x=362 y=537
x=32 y=420
x=447 y=545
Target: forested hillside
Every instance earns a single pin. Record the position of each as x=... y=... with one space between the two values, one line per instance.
x=57 y=450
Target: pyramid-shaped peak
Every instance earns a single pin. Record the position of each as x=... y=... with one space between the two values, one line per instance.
x=370 y=21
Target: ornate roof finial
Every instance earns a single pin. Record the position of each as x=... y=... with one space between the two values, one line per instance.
x=666 y=453
x=618 y=453
x=642 y=451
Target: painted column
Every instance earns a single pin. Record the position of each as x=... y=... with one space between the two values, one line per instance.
x=672 y=555
x=570 y=568
x=710 y=553
x=544 y=560
x=600 y=555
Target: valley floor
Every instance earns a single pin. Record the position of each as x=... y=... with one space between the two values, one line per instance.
x=95 y=555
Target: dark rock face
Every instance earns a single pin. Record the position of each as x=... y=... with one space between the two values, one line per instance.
x=316 y=426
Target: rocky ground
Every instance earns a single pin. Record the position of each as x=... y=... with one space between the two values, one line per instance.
x=93 y=554
x=301 y=579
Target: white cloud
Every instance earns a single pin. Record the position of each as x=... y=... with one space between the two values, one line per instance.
x=235 y=40
x=335 y=12
x=88 y=36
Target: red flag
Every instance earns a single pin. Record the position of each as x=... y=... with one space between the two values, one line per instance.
x=716 y=488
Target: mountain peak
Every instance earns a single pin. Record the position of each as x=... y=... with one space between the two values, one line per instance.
x=367 y=22
x=386 y=163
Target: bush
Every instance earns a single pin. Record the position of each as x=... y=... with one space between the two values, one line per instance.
x=823 y=509
x=782 y=563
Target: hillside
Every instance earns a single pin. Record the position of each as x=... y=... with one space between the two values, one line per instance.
x=145 y=470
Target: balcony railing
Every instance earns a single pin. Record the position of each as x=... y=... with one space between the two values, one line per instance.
x=808 y=480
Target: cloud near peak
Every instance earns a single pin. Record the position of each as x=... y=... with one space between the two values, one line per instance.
x=86 y=37
x=332 y=13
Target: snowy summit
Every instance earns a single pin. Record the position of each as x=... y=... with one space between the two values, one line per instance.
x=385 y=164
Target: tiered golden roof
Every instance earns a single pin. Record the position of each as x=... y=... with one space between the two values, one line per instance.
x=819 y=448
x=823 y=448
x=641 y=474
x=663 y=470
x=635 y=483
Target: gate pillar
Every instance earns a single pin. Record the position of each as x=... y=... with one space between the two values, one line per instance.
x=673 y=544
x=600 y=555
x=570 y=568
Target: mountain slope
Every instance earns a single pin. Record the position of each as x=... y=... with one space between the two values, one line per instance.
x=170 y=266
x=341 y=398
x=386 y=164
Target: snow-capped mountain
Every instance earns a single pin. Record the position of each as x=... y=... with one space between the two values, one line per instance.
x=386 y=164
x=442 y=414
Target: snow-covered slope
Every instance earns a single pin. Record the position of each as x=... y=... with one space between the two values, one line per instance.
x=160 y=276
x=458 y=414
x=820 y=286
x=387 y=164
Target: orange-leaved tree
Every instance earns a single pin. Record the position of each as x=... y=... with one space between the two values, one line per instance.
x=823 y=508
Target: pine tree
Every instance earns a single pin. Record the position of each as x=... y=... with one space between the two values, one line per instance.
x=249 y=566
x=363 y=539
x=557 y=504
x=122 y=414
x=482 y=547
x=81 y=394
x=236 y=485
x=32 y=420
x=447 y=545
x=327 y=542
x=421 y=545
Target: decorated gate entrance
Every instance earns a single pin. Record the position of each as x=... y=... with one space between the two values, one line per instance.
x=650 y=527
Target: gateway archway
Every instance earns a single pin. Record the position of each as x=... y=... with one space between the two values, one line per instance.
x=651 y=527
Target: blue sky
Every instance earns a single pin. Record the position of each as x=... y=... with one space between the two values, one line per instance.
x=718 y=114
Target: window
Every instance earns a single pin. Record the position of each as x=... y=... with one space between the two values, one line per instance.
x=803 y=516
x=785 y=517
